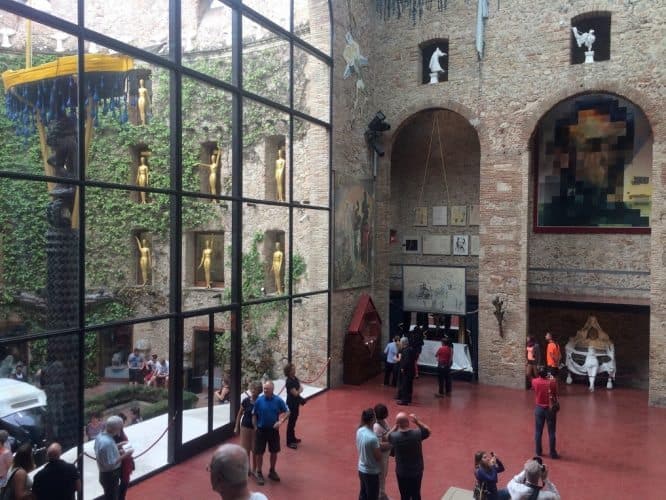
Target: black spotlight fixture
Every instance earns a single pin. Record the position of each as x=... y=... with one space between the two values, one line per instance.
x=375 y=128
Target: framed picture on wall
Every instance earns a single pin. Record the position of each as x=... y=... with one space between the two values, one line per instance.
x=421 y=216
x=436 y=244
x=474 y=245
x=460 y=244
x=459 y=215
x=474 y=216
x=439 y=216
x=411 y=243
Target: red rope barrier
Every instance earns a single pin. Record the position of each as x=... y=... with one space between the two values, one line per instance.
x=328 y=361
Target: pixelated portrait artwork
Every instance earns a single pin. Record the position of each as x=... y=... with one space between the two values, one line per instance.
x=594 y=165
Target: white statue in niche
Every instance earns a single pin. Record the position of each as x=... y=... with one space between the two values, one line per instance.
x=435 y=67
x=590 y=353
x=586 y=39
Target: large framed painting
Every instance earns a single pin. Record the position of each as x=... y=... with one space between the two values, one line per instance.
x=353 y=212
x=593 y=164
x=434 y=289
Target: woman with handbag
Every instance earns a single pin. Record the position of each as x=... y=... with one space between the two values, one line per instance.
x=486 y=468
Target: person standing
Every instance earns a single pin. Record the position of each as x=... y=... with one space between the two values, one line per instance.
x=228 y=474
x=109 y=457
x=553 y=355
x=444 y=357
x=407 y=371
x=369 y=457
x=58 y=480
x=136 y=364
x=270 y=411
x=294 y=402
x=532 y=360
x=381 y=430
x=417 y=343
x=391 y=365
x=5 y=456
x=406 y=443
x=244 y=425
x=545 y=390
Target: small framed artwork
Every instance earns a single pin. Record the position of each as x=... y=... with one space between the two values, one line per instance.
x=421 y=216
x=439 y=216
x=459 y=215
x=460 y=244
x=474 y=245
x=436 y=244
x=411 y=244
x=474 y=217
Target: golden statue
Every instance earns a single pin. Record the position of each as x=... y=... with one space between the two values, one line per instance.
x=279 y=174
x=206 y=261
x=143 y=103
x=144 y=259
x=213 y=168
x=278 y=259
x=142 y=178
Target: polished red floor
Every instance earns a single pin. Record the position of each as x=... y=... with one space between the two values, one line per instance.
x=612 y=444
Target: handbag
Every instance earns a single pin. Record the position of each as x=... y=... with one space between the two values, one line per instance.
x=480 y=491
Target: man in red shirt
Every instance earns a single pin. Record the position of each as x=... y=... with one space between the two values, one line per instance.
x=444 y=357
x=545 y=388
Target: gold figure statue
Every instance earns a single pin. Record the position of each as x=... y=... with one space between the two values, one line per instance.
x=213 y=168
x=278 y=259
x=279 y=174
x=206 y=261
x=143 y=102
x=142 y=178
x=144 y=259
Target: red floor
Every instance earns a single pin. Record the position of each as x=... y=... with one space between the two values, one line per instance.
x=611 y=443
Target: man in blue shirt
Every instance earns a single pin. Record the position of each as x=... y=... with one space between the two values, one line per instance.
x=269 y=413
x=109 y=457
x=392 y=362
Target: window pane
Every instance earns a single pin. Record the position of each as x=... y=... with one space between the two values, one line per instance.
x=206 y=39
x=206 y=139
x=310 y=259
x=222 y=361
x=144 y=24
x=265 y=152
x=309 y=339
x=275 y=10
x=311 y=163
x=206 y=244
x=265 y=251
x=312 y=23
x=265 y=63
x=39 y=259
x=39 y=119
x=143 y=400
x=264 y=351
x=41 y=373
x=311 y=85
x=127 y=255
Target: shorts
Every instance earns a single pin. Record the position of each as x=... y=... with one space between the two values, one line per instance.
x=268 y=436
x=135 y=375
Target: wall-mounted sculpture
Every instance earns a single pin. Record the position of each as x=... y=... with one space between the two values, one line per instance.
x=586 y=39
x=276 y=268
x=280 y=165
x=435 y=66
x=145 y=261
x=142 y=178
x=207 y=262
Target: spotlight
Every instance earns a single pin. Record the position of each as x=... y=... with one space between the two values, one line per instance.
x=377 y=124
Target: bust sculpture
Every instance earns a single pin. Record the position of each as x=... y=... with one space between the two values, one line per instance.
x=435 y=67
x=586 y=39
x=276 y=268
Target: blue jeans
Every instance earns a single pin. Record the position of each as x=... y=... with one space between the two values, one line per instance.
x=541 y=416
x=369 y=486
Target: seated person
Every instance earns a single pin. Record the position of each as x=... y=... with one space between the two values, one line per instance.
x=222 y=395
x=150 y=367
x=162 y=373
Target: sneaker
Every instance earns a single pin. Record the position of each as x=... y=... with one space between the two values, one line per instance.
x=297 y=440
x=554 y=455
x=293 y=446
x=273 y=475
x=259 y=477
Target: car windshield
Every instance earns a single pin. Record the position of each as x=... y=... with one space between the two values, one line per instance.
x=30 y=418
